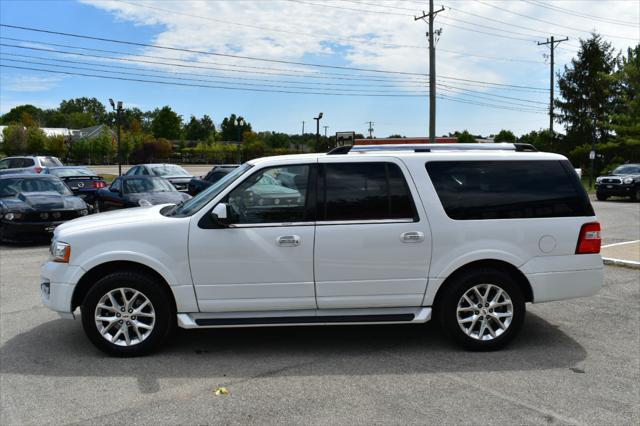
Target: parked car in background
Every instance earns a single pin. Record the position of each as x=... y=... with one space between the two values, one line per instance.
x=137 y=191
x=175 y=174
x=624 y=181
x=32 y=205
x=464 y=234
x=82 y=181
x=196 y=185
x=29 y=164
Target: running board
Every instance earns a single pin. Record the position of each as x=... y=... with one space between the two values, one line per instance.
x=310 y=317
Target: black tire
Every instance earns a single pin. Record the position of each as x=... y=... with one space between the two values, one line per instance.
x=165 y=318
x=447 y=305
x=601 y=197
x=636 y=194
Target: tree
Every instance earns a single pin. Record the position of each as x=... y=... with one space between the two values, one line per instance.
x=79 y=120
x=90 y=106
x=465 y=137
x=36 y=140
x=166 y=124
x=543 y=140
x=199 y=130
x=56 y=146
x=587 y=93
x=505 y=136
x=397 y=136
x=14 y=139
x=15 y=114
x=231 y=130
x=626 y=120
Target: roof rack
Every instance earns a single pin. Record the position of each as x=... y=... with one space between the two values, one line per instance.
x=518 y=147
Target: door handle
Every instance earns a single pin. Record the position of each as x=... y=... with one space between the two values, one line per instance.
x=412 y=237
x=288 y=240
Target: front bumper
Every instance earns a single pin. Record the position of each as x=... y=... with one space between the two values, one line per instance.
x=57 y=283
x=615 y=189
x=27 y=231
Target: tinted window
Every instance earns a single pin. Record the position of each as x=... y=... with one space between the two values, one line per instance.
x=365 y=191
x=169 y=170
x=11 y=187
x=508 y=189
x=135 y=186
x=117 y=185
x=270 y=196
x=26 y=162
x=4 y=164
x=50 y=162
x=627 y=169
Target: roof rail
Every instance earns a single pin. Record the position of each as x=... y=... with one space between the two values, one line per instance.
x=518 y=147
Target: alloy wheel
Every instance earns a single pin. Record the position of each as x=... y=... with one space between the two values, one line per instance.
x=484 y=312
x=125 y=316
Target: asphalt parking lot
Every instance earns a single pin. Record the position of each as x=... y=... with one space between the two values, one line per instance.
x=575 y=362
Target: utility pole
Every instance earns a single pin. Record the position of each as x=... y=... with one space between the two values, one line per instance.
x=303 y=127
x=370 y=129
x=552 y=45
x=118 y=111
x=432 y=67
x=318 y=118
x=325 y=130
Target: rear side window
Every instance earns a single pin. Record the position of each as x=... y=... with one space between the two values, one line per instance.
x=365 y=191
x=508 y=189
x=50 y=162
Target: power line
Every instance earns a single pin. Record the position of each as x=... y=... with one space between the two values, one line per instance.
x=233 y=65
x=582 y=14
x=199 y=52
x=549 y=22
x=111 y=77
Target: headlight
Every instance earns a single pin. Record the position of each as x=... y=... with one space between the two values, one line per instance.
x=60 y=252
x=144 y=203
x=628 y=180
x=598 y=179
x=12 y=216
x=83 y=212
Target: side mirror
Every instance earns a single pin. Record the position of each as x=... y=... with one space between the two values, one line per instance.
x=219 y=215
x=112 y=189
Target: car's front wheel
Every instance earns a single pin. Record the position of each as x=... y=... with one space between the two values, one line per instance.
x=601 y=197
x=127 y=314
x=482 y=309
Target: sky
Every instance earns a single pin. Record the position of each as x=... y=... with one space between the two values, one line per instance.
x=356 y=61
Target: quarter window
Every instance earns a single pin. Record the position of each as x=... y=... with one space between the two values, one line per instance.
x=272 y=195
x=365 y=191
x=508 y=189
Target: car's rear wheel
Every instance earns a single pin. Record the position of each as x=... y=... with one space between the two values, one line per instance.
x=482 y=309
x=127 y=314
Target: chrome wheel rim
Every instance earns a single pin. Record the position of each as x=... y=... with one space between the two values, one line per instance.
x=125 y=317
x=484 y=312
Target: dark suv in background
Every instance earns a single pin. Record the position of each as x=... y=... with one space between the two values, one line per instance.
x=624 y=181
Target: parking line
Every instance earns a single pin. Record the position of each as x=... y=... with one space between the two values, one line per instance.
x=622 y=243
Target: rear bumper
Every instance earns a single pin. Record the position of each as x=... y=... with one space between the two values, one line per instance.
x=551 y=286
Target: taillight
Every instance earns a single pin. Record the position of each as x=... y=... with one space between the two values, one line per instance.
x=589 y=239
x=38 y=169
x=99 y=184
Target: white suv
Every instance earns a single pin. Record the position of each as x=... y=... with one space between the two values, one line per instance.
x=373 y=235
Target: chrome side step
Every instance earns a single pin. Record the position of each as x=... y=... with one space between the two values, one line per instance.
x=305 y=317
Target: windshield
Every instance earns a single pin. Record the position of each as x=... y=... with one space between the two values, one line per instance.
x=196 y=203
x=627 y=169
x=137 y=185
x=169 y=170
x=12 y=187
x=72 y=171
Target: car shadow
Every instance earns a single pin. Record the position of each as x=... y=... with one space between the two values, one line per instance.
x=59 y=348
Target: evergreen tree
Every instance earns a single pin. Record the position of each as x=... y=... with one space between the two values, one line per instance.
x=166 y=124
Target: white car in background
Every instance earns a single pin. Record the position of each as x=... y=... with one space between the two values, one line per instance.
x=370 y=235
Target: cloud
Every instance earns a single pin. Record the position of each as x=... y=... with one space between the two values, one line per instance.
x=29 y=83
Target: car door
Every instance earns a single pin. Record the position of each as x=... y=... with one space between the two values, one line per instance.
x=264 y=259
x=112 y=198
x=372 y=238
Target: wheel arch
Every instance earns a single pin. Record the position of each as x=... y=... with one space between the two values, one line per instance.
x=495 y=264
x=99 y=271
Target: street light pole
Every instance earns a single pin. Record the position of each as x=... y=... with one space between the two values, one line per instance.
x=318 y=118
x=118 y=111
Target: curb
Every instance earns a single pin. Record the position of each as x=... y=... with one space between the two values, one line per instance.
x=620 y=262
